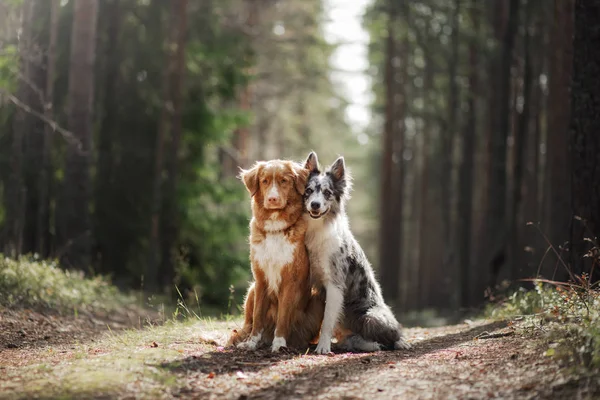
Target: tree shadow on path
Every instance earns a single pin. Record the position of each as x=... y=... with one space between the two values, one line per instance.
x=229 y=361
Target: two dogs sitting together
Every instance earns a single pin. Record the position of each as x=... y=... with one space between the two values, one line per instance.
x=311 y=277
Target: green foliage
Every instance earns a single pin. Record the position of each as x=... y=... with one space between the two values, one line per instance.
x=8 y=65
x=569 y=312
x=29 y=282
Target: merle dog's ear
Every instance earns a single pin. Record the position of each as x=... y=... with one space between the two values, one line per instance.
x=338 y=169
x=300 y=178
x=312 y=162
x=250 y=178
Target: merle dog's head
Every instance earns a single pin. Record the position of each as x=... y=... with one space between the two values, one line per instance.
x=326 y=192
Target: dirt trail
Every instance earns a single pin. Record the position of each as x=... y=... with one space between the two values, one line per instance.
x=188 y=362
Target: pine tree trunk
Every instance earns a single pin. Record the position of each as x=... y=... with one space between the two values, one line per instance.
x=558 y=216
x=34 y=136
x=466 y=171
x=16 y=190
x=389 y=238
x=496 y=223
x=448 y=135
x=75 y=232
x=585 y=133
x=43 y=214
x=104 y=222
x=521 y=134
x=424 y=243
x=170 y=222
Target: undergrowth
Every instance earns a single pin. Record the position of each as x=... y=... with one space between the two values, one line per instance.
x=568 y=314
x=29 y=282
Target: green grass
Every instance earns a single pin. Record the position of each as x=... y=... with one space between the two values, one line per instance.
x=28 y=282
x=568 y=315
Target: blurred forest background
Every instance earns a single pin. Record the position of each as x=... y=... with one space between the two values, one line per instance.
x=123 y=123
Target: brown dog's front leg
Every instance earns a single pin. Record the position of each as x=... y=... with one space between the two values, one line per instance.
x=259 y=315
x=285 y=311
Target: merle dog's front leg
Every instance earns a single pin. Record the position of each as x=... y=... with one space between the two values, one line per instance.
x=334 y=300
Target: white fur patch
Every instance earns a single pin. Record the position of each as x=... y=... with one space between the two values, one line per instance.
x=334 y=301
x=357 y=343
x=273 y=192
x=322 y=241
x=274 y=226
x=278 y=343
x=272 y=254
x=251 y=343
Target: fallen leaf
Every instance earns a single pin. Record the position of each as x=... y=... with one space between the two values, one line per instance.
x=154 y=344
x=211 y=375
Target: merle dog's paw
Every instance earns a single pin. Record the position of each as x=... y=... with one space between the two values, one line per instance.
x=402 y=345
x=323 y=348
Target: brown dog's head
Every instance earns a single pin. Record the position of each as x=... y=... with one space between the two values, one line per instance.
x=273 y=184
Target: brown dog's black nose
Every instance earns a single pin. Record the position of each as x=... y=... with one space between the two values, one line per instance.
x=315 y=205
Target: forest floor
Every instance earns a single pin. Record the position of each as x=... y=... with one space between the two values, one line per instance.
x=106 y=356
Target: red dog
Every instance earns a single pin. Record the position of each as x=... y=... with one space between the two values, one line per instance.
x=281 y=298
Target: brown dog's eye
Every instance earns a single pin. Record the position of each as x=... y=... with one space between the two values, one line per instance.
x=284 y=180
x=265 y=181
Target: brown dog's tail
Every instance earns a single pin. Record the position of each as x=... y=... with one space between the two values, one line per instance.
x=238 y=336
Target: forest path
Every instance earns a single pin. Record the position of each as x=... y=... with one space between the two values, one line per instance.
x=186 y=360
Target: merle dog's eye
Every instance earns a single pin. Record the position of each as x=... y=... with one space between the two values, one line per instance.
x=327 y=193
x=308 y=191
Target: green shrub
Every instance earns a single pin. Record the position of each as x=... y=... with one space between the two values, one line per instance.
x=29 y=282
x=569 y=313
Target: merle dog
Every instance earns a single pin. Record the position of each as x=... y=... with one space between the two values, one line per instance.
x=354 y=302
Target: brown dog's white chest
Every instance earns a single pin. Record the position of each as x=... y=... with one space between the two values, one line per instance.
x=274 y=252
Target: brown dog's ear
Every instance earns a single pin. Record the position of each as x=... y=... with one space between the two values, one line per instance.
x=250 y=178
x=312 y=162
x=300 y=178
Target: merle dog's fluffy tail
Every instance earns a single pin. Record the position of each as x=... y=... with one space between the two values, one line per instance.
x=379 y=325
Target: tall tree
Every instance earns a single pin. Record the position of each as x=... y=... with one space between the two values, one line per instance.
x=110 y=15
x=75 y=235
x=585 y=128
x=43 y=212
x=557 y=220
x=465 y=192
x=448 y=136
x=16 y=190
x=520 y=135
x=170 y=222
x=389 y=238
x=496 y=223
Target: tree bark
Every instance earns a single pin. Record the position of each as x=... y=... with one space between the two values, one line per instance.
x=448 y=136
x=43 y=215
x=16 y=189
x=521 y=133
x=558 y=215
x=171 y=213
x=389 y=257
x=584 y=134
x=466 y=170
x=496 y=221
x=75 y=214
x=103 y=217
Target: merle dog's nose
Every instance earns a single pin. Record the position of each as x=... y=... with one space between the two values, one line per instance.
x=315 y=205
